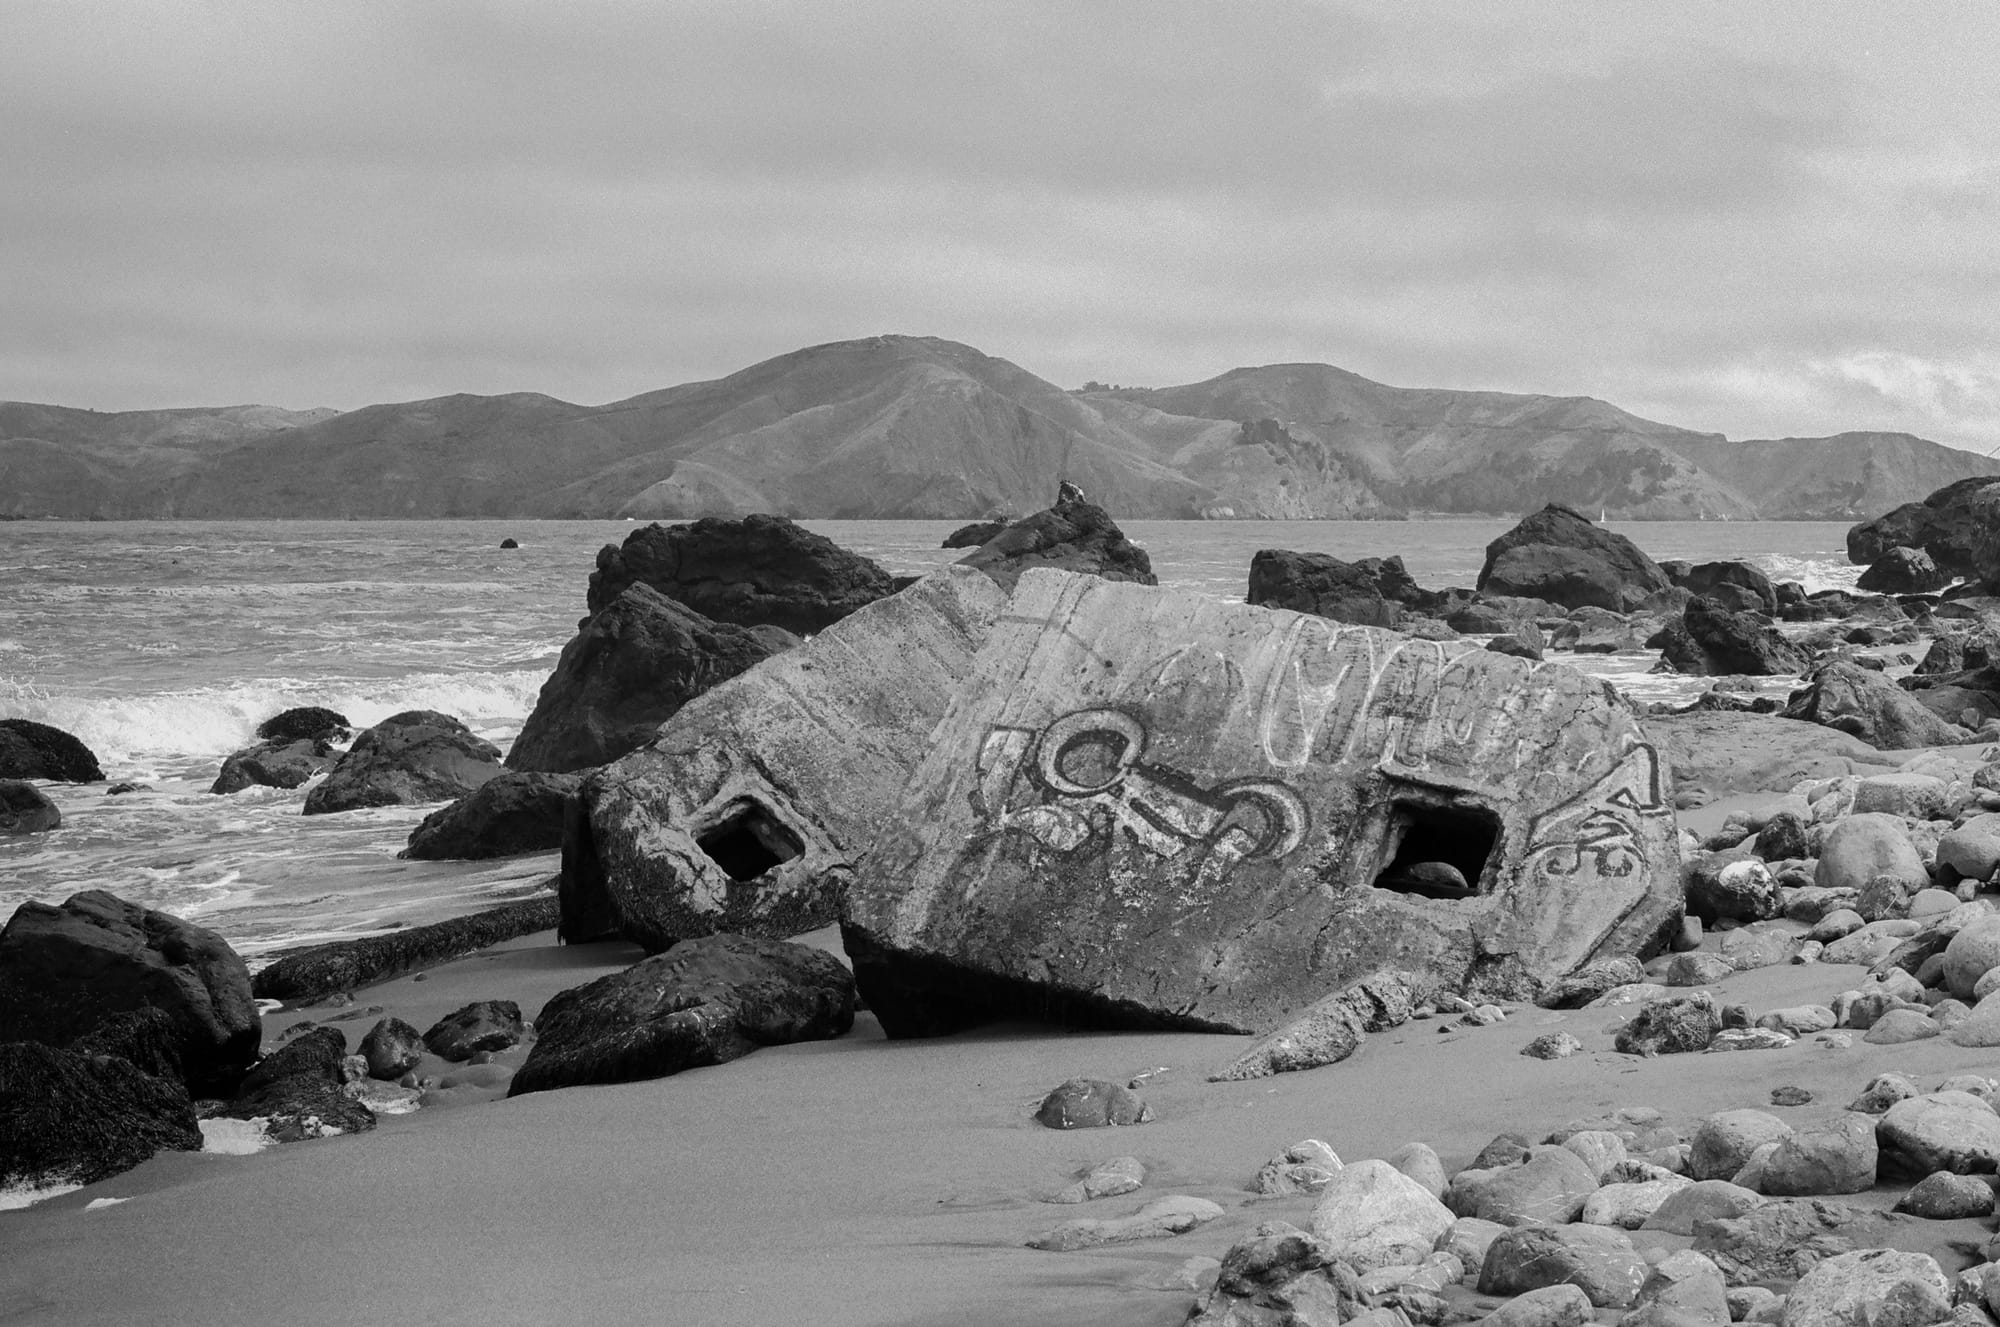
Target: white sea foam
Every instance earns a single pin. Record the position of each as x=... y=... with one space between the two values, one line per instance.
x=13 y=1197
x=236 y=1138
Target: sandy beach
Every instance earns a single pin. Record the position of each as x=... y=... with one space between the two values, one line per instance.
x=850 y=1182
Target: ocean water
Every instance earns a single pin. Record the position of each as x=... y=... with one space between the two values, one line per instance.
x=163 y=644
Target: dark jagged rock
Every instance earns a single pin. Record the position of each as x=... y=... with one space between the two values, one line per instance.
x=1711 y=640
x=413 y=757
x=63 y=970
x=705 y=1001
x=303 y=723
x=320 y=970
x=1958 y=526
x=1676 y=1026
x=517 y=812
x=757 y=571
x=1844 y=696
x=973 y=535
x=510 y=542
x=1152 y=809
x=483 y=1025
x=1952 y=654
x=1369 y=592
x=1738 y=586
x=1903 y=571
x=630 y=668
x=1073 y=535
x=1559 y=555
x=296 y=1090
x=279 y=763
x=148 y=1037
x=26 y=809
x=68 y=1117
x=30 y=750
x=1591 y=980
x=392 y=1048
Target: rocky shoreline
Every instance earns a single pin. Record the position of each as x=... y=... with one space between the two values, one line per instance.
x=1499 y=850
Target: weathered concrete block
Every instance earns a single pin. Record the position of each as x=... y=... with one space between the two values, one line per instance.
x=1146 y=808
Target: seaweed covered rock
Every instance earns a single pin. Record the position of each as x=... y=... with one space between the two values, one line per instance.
x=65 y=969
x=632 y=666
x=278 y=763
x=516 y=812
x=1073 y=535
x=757 y=571
x=973 y=535
x=30 y=750
x=413 y=757
x=1958 y=526
x=318 y=970
x=483 y=1025
x=296 y=1090
x=26 y=809
x=1558 y=554
x=1903 y=571
x=1711 y=640
x=705 y=1001
x=305 y=723
x=1740 y=587
x=74 y=1118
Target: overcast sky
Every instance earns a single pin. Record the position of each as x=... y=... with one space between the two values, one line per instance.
x=1767 y=218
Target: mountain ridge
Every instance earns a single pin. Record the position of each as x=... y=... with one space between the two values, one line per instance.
x=893 y=427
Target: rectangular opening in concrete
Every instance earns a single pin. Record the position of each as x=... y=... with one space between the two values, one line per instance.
x=1440 y=852
x=748 y=841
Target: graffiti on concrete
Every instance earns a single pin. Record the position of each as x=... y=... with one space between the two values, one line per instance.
x=1600 y=829
x=1082 y=786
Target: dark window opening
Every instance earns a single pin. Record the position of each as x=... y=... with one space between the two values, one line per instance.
x=749 y=841
x=1441 y=851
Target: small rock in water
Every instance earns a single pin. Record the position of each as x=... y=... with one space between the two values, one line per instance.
x=1107 y=1179
x=509 y=543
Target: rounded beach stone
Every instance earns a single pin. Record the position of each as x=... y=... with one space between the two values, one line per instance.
x=1973 y=848
x=1698 y=969
x=1836 y=924
x=1630 y=1206
x=1972 y=953
x=1106 y=1179
x=1861 y=847
x=1834 y=1156
x=1468 y=1239
x=1724 y=1141
x=1091 y=1103
x=1900 y=1025
x=1943 y=1196
x=1304 y=1167
x=1911 y=796
x=1870 y=1288
x=1599 y=1149
x=1928 y=903
x=1705 y=1200
x=1549 y=1187
x=1689 y=1284
x=1884 y=1091
x=26 y=809
x=1420 y=1162
x=1953 y=1131
x=1372 y=1215
x=1599 y=1259
x=1553 y=1306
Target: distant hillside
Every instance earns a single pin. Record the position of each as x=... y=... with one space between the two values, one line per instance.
x=901 y=427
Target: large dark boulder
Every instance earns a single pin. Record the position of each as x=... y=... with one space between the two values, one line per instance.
x=279 y=763
x=1959 y=526
x=1559 y=555
x=1843 y=695
x=1710 y=640
x=26 y=809
x=296 y=1090
x=705 y=1001
x=1737 y=585
x=413 y=757
x=1370 y=592
x=30 y=750
x=1073 y=535
x=148 y=1037
x=63 y=970
x=74 y=1118
x=757 y=571
x=318 y=970
x=305 y=722
x=973 y=535
x=1903 y=571
x=630 y=668
x=518 y=812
